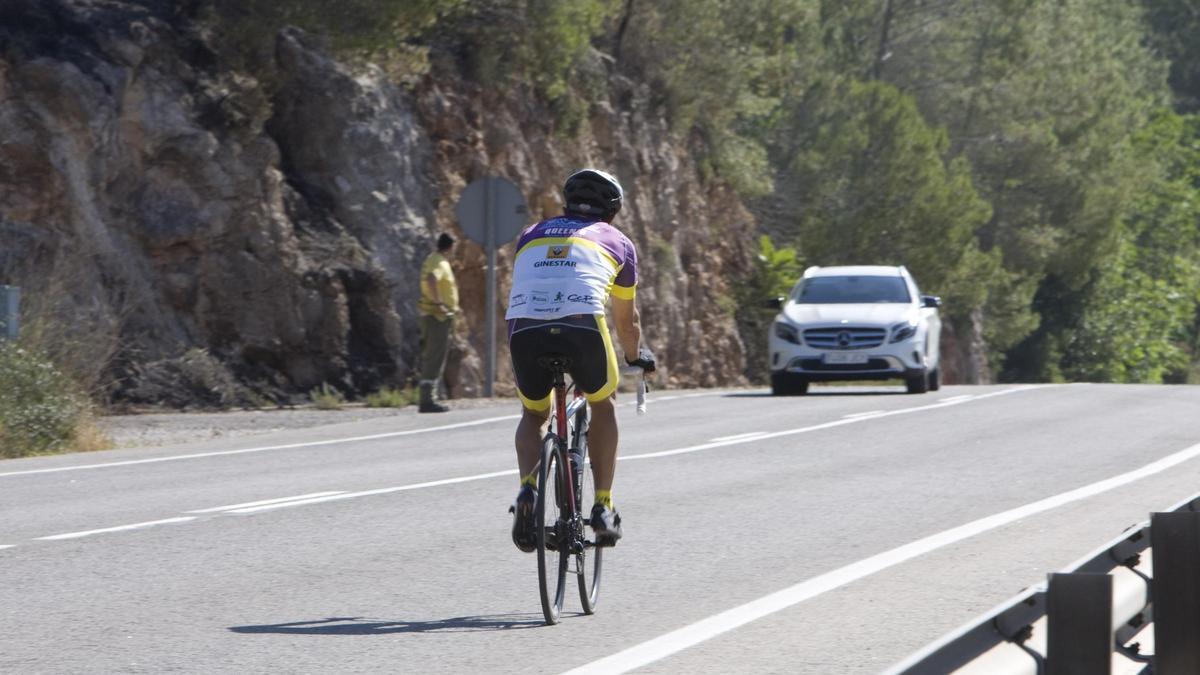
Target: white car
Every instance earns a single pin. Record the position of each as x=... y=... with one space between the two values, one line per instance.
x=855 y=323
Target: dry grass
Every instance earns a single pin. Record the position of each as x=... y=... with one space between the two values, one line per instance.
x=89 y=437
x=326 y=397
x=391 y=397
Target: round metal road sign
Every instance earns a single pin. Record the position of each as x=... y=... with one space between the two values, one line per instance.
x=492 y=202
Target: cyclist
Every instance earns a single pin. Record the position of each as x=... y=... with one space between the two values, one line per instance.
x=563 y=273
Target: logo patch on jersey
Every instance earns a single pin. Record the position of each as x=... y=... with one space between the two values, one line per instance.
x=558 y=252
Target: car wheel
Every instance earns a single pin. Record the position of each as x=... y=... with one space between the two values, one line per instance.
x=935 y=379
x=917 y=384
x=786 y=384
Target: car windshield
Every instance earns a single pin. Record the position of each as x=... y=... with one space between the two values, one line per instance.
x=851 y=290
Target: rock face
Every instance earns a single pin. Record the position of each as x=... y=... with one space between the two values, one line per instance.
x=690 y=236
x=200 y=227
x=153 y=184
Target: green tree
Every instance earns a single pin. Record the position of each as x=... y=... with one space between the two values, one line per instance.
x=1138 y=318
x=869 y=183
x=1043 y=99
x=510 y=44
x=503 y=44
x=247 y=28
x=722 y=69
x=1175 y=26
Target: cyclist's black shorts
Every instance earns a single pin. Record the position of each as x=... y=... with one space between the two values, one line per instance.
x=583 y=338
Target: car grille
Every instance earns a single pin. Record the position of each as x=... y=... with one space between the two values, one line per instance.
x=844 y=338
x=817 y=365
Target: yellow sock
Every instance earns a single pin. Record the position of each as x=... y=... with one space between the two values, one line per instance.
x=604 y=497
x=530 y=480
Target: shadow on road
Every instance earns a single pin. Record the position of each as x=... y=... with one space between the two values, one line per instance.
x=355 y=625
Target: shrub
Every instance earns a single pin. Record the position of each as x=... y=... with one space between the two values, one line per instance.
x=41 y=409
x=390 y=397
x=773 y=272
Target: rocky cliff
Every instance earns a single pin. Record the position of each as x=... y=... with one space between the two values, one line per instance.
x=210 y=238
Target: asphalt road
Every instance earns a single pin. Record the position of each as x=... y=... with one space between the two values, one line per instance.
x=834 y=533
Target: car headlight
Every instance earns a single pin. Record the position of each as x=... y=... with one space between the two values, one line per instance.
x=903 y=331
x=785 y=332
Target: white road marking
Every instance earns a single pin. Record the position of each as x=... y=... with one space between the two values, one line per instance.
x=955 y=398
x=732 y=440
x=302 y=500
x=265 y=501
x=826 y=425
x=290 y=446
x=120 y=528
x=7 y=545
x=740 y=437
x=705 y=629
x=675 y=397
x=862 y=414
x=379 y=491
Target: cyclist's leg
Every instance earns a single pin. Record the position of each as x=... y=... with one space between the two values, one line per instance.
x=526 y=343
x=602 y=443
x=530 y=431
x=598 y=376
x=533 y=386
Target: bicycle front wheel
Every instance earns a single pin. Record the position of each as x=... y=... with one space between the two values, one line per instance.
x=550 y=515
x=588 y=561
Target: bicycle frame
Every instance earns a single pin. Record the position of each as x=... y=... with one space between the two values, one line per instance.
x=564 y=456
x=564 y=411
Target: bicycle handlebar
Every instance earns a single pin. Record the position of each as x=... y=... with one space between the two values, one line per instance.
x=641 y=389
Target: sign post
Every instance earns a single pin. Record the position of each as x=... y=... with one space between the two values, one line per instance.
x=491 y=212
x=10 y=304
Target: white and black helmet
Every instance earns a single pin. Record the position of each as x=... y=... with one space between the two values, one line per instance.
x=592 y=192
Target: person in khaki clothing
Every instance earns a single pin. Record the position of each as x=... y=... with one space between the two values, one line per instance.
x=438 y=307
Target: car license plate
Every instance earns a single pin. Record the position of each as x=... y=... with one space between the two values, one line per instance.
x=842 y=358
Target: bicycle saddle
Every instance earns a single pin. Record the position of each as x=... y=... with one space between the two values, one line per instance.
x=554 y=361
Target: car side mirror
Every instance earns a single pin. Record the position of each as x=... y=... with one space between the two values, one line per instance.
x=774 y=303
x=931 y=301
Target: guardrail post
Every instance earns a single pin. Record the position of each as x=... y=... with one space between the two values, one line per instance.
x=10 y=302
x=1175 y=541
x=1079 y=635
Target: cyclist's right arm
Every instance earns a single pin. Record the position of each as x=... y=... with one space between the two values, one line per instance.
x=628 y=325
x=625 y=312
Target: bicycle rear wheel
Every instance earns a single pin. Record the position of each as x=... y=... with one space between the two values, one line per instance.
x=550 y=517
x=588 y=562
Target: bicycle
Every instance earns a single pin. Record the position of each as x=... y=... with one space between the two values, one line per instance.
x=562 y=479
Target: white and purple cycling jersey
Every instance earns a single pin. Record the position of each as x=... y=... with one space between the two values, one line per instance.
x=567 y=265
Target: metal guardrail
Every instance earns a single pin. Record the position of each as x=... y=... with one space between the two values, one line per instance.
x=1086 y=619
x=10 y=303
